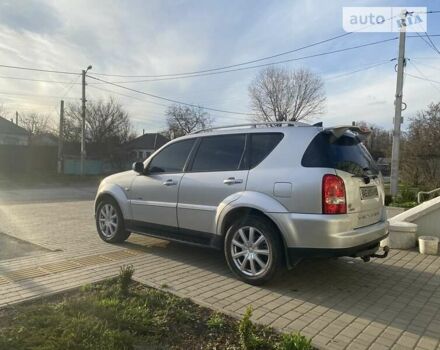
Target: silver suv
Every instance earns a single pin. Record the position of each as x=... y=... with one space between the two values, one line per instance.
x=267 y=195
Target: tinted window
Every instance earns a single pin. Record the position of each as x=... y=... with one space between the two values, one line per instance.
x=345 y=153
x=219 y=153
x=262 y=145
x=172 y=158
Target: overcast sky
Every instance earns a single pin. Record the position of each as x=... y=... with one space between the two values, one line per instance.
x=147 y=37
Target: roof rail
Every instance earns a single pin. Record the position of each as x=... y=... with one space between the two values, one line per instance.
x=253 y=125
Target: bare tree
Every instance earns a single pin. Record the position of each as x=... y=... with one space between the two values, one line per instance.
x=379 y=141
x=35 y=123
x=3 y=111
x=421 y=149
x=183 y=120
x=281 y=95
x=107 y=124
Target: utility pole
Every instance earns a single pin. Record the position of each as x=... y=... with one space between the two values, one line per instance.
x=60 y=139
x=16 y=117
x=83 y=121
x=398 y=109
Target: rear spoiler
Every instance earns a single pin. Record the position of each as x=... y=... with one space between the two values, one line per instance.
x=338 y=131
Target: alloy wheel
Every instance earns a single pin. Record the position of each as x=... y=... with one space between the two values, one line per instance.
x=108 y=220
x=251 y=251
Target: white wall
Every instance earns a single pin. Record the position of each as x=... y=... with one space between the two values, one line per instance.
x=425 y=215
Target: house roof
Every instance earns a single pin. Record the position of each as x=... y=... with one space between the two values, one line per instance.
x=147 y=141
x=8 y=127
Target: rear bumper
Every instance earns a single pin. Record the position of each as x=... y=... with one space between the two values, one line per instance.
x=327 y=233
x=296 y=254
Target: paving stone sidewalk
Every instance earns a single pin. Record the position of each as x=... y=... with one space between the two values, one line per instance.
x=391 y=303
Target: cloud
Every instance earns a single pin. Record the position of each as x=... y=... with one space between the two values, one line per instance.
x=160 y=37
x=29 y=15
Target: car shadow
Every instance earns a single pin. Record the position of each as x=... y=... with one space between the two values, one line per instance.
x=390 y=292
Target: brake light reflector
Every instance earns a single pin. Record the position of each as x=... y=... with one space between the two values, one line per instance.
x=333 y=195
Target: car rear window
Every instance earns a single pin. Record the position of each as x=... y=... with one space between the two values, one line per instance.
x=345 y=153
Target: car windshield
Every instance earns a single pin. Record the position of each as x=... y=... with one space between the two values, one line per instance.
x=345 y=153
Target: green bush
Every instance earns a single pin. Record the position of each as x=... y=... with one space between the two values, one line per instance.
x=246 y=330
x=124 y=279
x=406 y=194
x=216 y=321
x=294 y=341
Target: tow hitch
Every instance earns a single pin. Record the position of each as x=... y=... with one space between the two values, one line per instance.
x=367 y=257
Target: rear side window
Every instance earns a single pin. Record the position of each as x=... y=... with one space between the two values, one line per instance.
x=345 y=153
x=219 y=153
x=261 y=145
x=172 y=158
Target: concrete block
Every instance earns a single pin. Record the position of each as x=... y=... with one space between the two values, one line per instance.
x=403 y=235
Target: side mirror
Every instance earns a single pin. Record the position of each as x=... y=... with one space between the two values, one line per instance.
x=138 y=167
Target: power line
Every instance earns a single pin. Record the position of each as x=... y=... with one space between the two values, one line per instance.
x=169 y=99
x=156 y=103
x=426 y=42
x=423 y=75
x=204 y=74
x=38 y=69
x=426 y=65
x=31 y=95
x=432 y=43
x=35 y=80
x=422 y=78
x=259 y=65
x=242 y=63
x=359 y=70
x=229 y=66
x=72 y=84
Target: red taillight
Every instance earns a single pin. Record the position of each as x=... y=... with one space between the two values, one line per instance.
x=333 y=195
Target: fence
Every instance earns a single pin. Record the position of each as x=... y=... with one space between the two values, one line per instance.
x=27 y=159
x=72 y=166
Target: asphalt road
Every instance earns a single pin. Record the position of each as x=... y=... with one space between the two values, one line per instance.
x=12 y=224
x=47 y=194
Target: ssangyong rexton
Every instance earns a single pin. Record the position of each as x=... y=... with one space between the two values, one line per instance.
x=267 y=195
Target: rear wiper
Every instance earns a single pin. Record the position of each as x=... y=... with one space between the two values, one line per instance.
x=373 y=176
x=366 y=177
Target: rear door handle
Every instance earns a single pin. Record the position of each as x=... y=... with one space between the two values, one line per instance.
x=170 y=182
x=232 y=181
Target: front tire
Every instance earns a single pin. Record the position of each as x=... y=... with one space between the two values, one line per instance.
x=253 y=249
x=110 y=222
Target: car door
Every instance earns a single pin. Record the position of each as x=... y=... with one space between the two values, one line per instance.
x=154 y=194
x=216 y=171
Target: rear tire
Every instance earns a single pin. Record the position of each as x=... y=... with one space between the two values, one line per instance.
x=253 y=249
x=110 y=222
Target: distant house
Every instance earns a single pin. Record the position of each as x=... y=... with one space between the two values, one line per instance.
x=143 y=146
x=12 y=134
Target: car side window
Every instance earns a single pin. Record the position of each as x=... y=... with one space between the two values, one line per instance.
x=261 y=146
x=172 y=158
x=219 y=153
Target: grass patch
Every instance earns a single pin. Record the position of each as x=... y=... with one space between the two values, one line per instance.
x=120 y=314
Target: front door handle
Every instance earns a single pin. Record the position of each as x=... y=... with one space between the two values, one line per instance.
x=170 y=182
x=232 y=181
